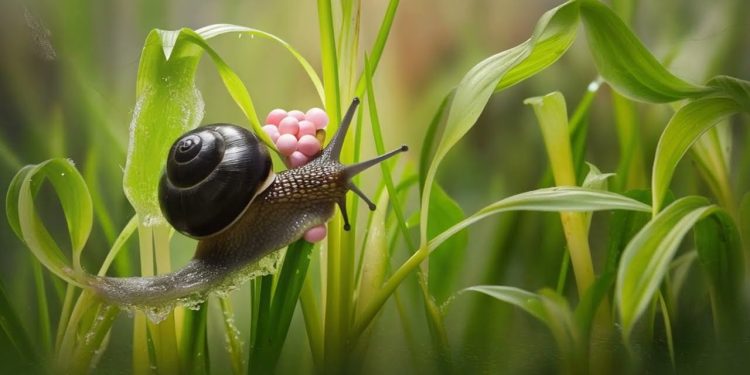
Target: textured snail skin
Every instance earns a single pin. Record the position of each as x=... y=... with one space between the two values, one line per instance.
x=297 y=200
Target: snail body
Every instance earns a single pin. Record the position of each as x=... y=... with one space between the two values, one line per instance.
x=247 y=213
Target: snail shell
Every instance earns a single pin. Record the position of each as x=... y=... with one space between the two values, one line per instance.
x=212 y=175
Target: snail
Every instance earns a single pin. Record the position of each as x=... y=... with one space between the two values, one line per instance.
x=219 y=187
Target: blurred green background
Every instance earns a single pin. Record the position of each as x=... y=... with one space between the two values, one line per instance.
x=67 y=89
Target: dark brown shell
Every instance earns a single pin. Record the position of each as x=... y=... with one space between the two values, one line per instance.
x=212 y=175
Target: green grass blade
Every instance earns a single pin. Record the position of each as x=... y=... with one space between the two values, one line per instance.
x=624 y=61
x=14 y=329
x=168 y=104
x=118 y=245
x=558 y=199
x=75 y=200
x=554 y=34
x=376 y=52
x=380 y=148
x=646 y=259
x=733 y=88
x=481 y=82
x=194 y=345
x=720 y=253
x=685 y=127
x=329 y=63
x=212 y=31
x=548 y=307
x=232 y=337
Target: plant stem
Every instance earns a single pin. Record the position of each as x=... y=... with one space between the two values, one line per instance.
x=312 y=321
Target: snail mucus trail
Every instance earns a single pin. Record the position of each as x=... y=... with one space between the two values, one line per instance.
x=279 y=210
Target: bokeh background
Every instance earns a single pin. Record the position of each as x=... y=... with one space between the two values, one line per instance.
x=67 y=89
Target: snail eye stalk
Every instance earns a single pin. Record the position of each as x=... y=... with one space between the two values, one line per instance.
x=333 y=152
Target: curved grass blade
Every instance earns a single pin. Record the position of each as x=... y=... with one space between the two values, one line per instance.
x=548 y=307
x=482 y=80
x=624 y=61
x=212 y=31
x=685 y=127
x=720 y=253
x=558 y=199
x=445 y=264
x=646 y=259
x=548 y=200
x=75 y=200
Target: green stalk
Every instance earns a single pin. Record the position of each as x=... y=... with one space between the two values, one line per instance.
x=165 y=347
x=141 y=358
x=232 y=335
x=329 y=63
x=552 y=116
x=45 y=328
x=312 y=321
x=87 y=351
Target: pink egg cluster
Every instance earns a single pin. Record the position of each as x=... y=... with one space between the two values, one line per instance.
x=295 y=133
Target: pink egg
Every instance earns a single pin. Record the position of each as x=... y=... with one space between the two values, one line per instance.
x=318 y=117
x=306 y=128
x=286 y=144
x=289 y=125
x=308 y=145
x=275 y=116
x=315 y=234
x=296 y=114
x=297 y=159
x=272 y=132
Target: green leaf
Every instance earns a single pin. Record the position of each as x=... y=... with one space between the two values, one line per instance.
x=624 y=61
x=547 y=306
x=268 y=342
x=685 y=127
x=75 y=200
x=212 y=31
x=645 y=261
x=554 y=33
x=167 y=105
x=481 y=82
x=557 y=199
x=376 y=255
x=733 y=88
x=194 y=351
x=720 y=254
x=447 y=261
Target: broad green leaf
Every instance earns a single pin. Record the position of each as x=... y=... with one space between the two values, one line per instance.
x=481 y=82
x=646 y=259
x=429 y=142
x=167 y=105
x=720 y=254
x=685 y=127
x=557 y=199
x=448 y=260
x=624 y=61
x=75 y=200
